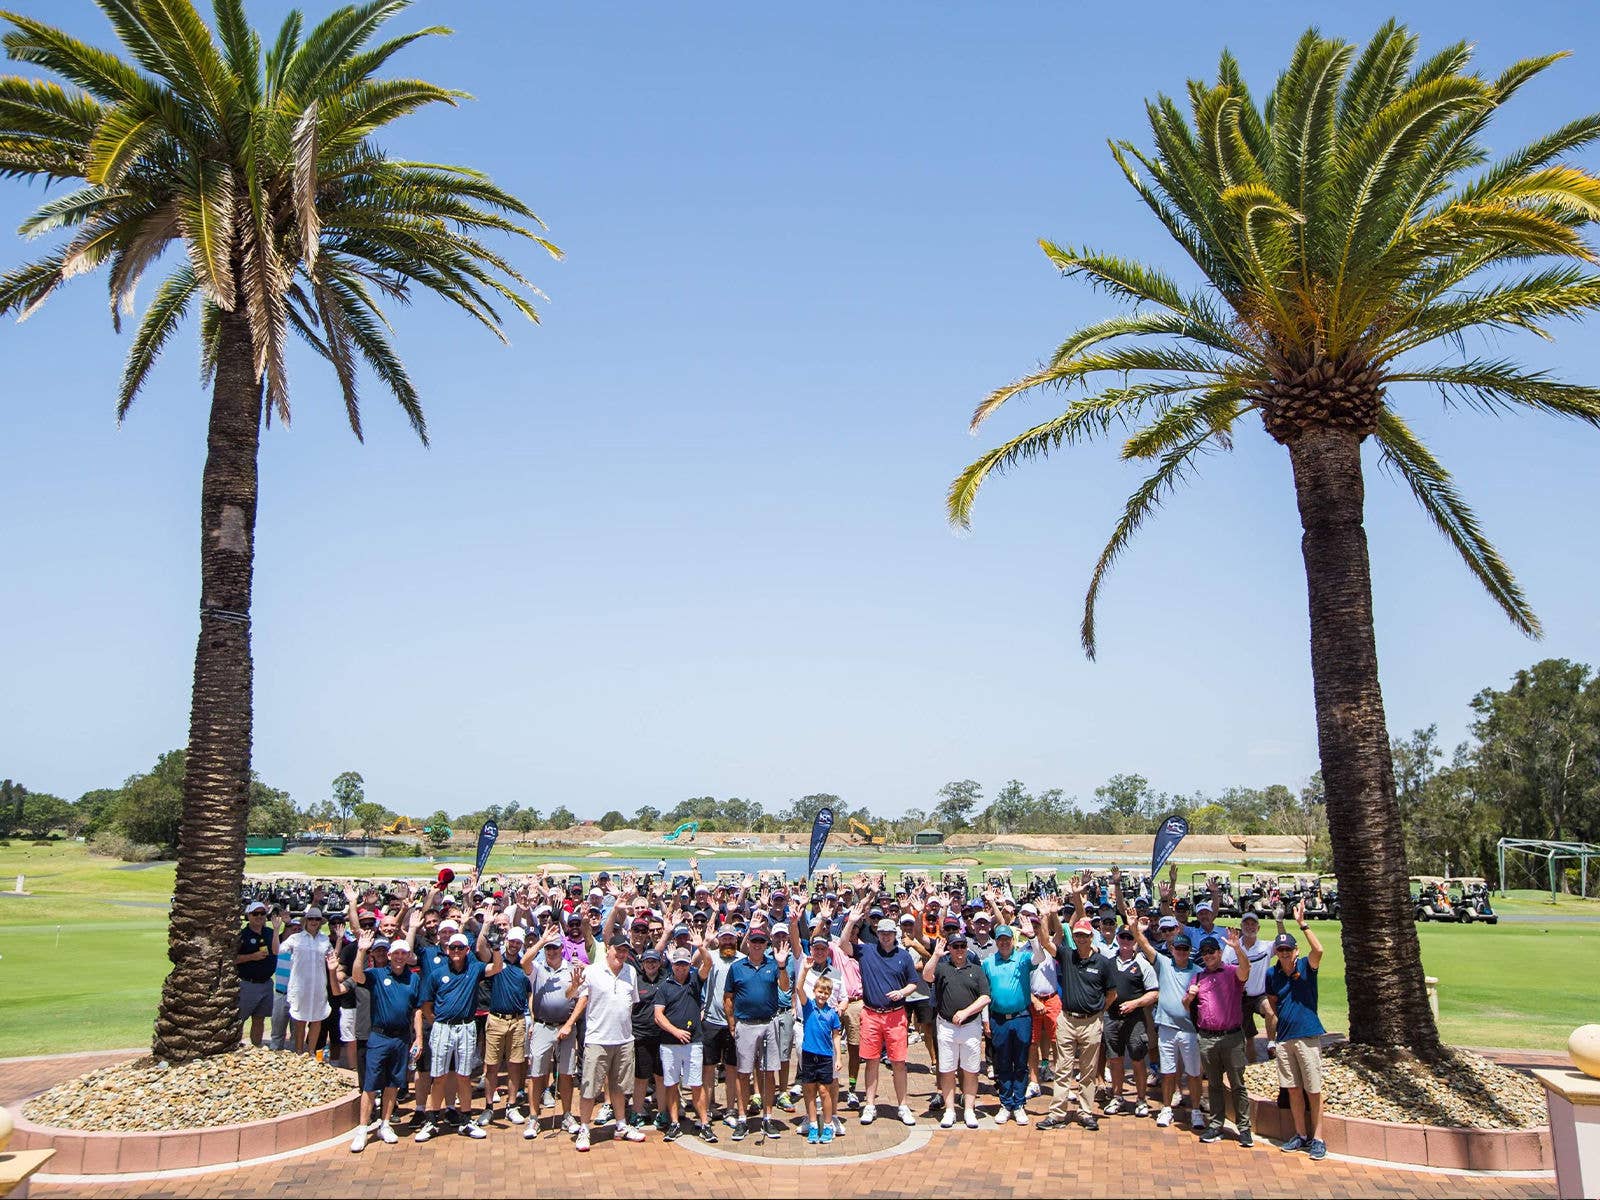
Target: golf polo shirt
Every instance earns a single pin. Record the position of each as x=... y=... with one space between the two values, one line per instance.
x=754 y=989
x=1083 y=981
x=394 y=999
x=454 y=993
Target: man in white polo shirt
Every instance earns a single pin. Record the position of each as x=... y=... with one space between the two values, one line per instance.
x=612 y=988
x=1256 y=999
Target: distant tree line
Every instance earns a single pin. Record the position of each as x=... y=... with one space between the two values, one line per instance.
x=1530 y=769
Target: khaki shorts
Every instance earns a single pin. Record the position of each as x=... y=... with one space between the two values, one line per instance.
x=1300 y=1064
x=607 y=1066
x=505 y=1039
x=850 y=1017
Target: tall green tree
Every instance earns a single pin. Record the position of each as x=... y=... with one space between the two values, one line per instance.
x=1348 y=234
x=957 y=799
x=1538 y=750
x=349 y=790
x=258 y=166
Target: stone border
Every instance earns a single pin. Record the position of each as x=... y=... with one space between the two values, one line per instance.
x=1417 y=1145
x=86 y=1152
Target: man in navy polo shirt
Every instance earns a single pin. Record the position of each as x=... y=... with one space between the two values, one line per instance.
x=450 y=998
x=888 y=978
x=506 y=1029
x=255 y=959
x=395 y=992
x=751 y=1006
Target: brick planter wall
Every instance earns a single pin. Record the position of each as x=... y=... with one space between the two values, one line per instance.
x=1417 y=1145
x=82 y=1152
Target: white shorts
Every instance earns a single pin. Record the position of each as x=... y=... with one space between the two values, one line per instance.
x=454 y=1049
x=681 y=1063
x=347 y=1024
x=1176 y=1042
x=545 y=1052
x=960 y=1046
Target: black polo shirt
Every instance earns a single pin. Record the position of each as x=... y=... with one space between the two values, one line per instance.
x=259 y=971
x=1084 y=981
x=957 y=987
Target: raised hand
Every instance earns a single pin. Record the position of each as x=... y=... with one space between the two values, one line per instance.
x=366 y=939
x=1300 y=913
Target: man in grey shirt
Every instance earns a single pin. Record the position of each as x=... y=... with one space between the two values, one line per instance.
x=552 y=1040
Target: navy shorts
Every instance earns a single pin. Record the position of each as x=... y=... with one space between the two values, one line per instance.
x=387 y=1058
x=815 y=1068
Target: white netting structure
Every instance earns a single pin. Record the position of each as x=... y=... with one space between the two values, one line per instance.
x=1556 y=867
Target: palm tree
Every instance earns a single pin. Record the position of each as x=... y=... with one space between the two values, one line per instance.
x=260 y=171
x=1347 y=234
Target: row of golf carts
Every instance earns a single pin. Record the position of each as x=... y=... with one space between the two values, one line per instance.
x=1465 y=900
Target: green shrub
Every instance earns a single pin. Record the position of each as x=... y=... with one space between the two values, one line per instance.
x=402 y=850
x=115 y=845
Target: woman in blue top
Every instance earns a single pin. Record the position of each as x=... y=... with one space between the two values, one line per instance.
x=1292 y=980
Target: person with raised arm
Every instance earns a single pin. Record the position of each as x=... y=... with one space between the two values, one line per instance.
x=887 y=981
x=449 y=999
x=1085 y=978
x=1218 y=997
x=396 y=1034
x=1292 y=982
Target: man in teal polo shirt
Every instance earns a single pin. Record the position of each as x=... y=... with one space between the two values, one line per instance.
x=1009 y=1020
x=396 y=1029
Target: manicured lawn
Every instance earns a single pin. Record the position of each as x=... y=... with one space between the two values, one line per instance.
x=82 y=960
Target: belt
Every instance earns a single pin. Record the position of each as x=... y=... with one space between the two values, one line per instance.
x=550 y=1024
x=1072 y=1012
x=453 y=1020
x=881 y=1011
x=494 y=1013
x=1218 y=1032
x=996 y=1016
x=394 y=1031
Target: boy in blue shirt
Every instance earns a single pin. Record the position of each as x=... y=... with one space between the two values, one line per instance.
x=818 y=1052
x=1292 y=982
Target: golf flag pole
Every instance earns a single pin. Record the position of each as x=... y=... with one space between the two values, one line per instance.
x=820 y=829
x=1171 y=831
x=486 y=840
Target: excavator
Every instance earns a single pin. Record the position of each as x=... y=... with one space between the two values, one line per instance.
x=862 y=835
x=401 y=826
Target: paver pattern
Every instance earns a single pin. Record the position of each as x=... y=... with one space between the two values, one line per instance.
x=1124 y=1158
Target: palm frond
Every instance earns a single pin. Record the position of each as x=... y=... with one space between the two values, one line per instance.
x=160 y=321
x=1174 y=468
x=1435 y=490
x=1498 y=386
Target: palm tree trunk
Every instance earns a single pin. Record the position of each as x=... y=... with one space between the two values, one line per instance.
x=199 y=1012
x=1383 y=959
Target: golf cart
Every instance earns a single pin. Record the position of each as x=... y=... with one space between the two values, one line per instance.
x=911 y=878
x=1200 y=889
x=954 y=878
x=998 y=877
x=1470 y=897
x=1042 y=881
x=826 y=880
x=1330 y=895
x=1432 y=899
x=772 y=877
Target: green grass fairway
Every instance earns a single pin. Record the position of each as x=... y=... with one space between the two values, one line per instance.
x=82 y=959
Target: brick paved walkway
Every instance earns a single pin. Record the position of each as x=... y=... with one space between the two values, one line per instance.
x=997 y=1161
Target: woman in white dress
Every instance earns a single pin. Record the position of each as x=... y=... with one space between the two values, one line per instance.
x=308 y=980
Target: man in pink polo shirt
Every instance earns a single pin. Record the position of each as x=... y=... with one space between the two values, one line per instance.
x=1218 y=993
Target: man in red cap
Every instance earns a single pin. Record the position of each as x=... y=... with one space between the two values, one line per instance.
x=1085 y=977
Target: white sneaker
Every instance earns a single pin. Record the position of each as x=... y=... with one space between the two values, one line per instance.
x=1164 y=1117
x=1021 y=1116
x=906 y=1116
x=583 y=1138
x=569 y=1124
x=426 y=1132
x=1197 y=1119
x=474 y=1131
x=532 y=1131
x=627 y=1133
x=603 y=1114
x=386 y=1133
x=869 y=1114
x=1033 y=1090
x=514 y=1115
x=359 y=1142
x=969 y=1118
x=1001 y=1116
x=948 y=1121
x=838 y=1128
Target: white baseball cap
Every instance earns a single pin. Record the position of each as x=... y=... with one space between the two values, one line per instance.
x=458 y=939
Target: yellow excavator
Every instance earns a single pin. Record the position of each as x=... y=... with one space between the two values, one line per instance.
x=401 y=826
x=862 y=835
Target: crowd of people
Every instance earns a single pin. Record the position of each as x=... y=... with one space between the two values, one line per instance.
x=630 y=1002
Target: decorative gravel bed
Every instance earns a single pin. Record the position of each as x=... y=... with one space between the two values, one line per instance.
x=1461 y=1090
x=145 y=1096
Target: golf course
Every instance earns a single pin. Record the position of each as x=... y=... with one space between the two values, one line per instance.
x=83 y=956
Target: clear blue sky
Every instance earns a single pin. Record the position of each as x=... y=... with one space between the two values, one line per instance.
x=687 y=537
